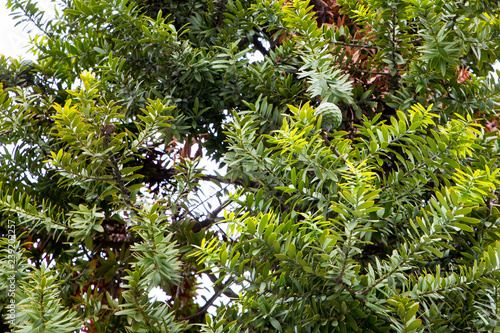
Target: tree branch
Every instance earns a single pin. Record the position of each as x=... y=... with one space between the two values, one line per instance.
x=209 y=303
x=258 y=45
x=329 y=144
x=162 y=174
x=211 y=217
x=107 y=130
x=361 y=46
x=228 y=292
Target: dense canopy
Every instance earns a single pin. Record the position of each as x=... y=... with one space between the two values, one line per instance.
x=324 y=166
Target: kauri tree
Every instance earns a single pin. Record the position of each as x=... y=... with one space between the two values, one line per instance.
x=354 y=173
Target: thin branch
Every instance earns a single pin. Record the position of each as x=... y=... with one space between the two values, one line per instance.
x=258 y=45
x=107 y=131
x=210 y=302
x=382 y=278
x=363 y=71
x=349 y=290
x=33 y=19
x=228 y=292
x=361 y=46
x=162 y=174
x=329 y=144
x=211 y=217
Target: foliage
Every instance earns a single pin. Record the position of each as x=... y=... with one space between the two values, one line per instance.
x=348 y=241
x=355 y=167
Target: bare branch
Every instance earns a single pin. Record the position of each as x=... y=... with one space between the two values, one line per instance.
x=209 y=303
x=162 y=174
x=227 y=292
x=211 y=217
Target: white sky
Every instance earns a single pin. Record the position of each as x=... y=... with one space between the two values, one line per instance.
x=12 y=39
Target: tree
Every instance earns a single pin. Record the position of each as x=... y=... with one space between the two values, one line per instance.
x=388 y=222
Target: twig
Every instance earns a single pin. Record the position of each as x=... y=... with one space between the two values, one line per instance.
x=107 y=130
x=209 y=303
x=361 y=46
x=227 y=292
x=329 y=144
x=258 y=45
x=211 y=217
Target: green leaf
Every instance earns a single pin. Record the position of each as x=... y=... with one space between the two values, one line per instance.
x=413 y=325
x=410 y=312
x=275 y=324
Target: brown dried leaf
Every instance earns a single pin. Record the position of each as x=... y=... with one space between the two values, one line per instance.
x=463 y=74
